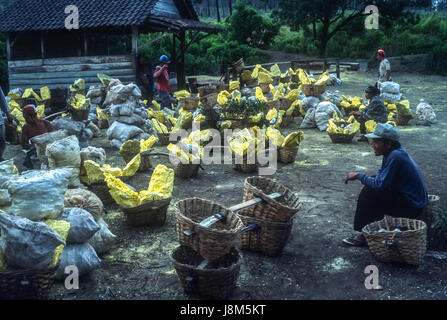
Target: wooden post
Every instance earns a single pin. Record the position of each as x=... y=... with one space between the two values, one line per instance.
x=338 y=68
x=42 y=47
x=181 y=66
x=134 y=40
x=8 y=47
x=85 y=43
x=174 y=51
x=324 y=65
x=308 y=67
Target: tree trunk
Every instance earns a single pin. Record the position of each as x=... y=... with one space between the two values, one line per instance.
x=230 y=6
x=209 y=10
x=324 y=37
x=314 y=26
x=217 y=10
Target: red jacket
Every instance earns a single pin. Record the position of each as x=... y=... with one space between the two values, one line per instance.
x=163 y=80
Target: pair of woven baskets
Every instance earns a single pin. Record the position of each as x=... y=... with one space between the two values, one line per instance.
x=151 y=213
x=287 y=155
x=217 y=281
x=407 y=246
x=273 y=217
x=26 y=284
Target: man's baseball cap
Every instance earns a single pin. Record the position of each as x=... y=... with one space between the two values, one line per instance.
x=164 y=59
x=381 y=52
x=384 y=131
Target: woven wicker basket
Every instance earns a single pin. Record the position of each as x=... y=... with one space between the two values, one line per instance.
x=151 y=213
x=190 y=103
x=220 y=86
x=146 y=163
x=286 y=121
x=218 y=281
x=213 y=242
x=287 y=155
x=186 y=171
x=313 y=89
x=275 y=210
x=163 y=139
x=286 y=79
x=265 y=87
x=102 y=192
x=341 y=137
x=246 y=166
x=206 y=90
x=403 y=247
x=79 y=115
x=427 y=213
x=296 y=112
x=239 y=65
x=209 y=100
x=268 y=239
x=103 y=124
x=284 y=103
x=250 y=83
x=403 y=119
x=273 y=104
x=26 y=284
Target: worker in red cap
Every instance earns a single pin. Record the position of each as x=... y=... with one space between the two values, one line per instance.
x=384 y=67
x=33 y=127
x=161 y=75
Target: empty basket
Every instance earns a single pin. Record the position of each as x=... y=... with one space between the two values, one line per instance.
x=276 y=210
x=407 y=246
x=151 y=213
x=217 y=280
x=212 y=242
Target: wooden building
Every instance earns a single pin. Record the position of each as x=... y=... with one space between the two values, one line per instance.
x=42 y=52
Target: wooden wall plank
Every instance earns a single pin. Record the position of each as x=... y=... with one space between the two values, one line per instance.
x=82 y=74
x=71 y=60
x=73 y=68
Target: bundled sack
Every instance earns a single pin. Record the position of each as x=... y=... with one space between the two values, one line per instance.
x=391 y=97
x=309 y=120
x=309 y=103
x=41 y=142
x=123 y=109
x=97 y=155
x=425 y=112
x=103 y=240
x=119 y=93
x=83 y=256
x=389 y=87
x=38 y=194
x=325 y=111
x=84 y=199
x=27 y=244
x=122 y=132
x=65 y=153
x=82 y=225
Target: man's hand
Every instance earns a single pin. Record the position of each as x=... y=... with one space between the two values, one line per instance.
x=351 y=176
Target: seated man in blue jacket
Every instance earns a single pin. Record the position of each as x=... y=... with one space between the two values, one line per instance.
x=397 y=189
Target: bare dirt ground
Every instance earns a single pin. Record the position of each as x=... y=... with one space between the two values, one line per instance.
x=314 y=264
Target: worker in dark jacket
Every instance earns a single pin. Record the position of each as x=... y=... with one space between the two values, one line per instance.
x=398 y=188
x=3 y=109
x=376 y=110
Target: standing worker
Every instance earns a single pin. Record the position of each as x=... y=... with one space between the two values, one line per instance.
x=145 y=78
x=384 y=67
x=5 y=109
x=161 y=75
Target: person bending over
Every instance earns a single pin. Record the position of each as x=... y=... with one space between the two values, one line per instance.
x=397 y=190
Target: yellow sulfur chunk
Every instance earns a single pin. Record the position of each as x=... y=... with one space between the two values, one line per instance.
x=293 y=139
x=200 y=119
x=289 y=111
x=108 y=170
x=234 y=85
x=182 y=94
x=162 y=181
x=391 y=107
x=145 y=196
x=370 y=126
x=260 y=95
x=275 y=71
x=101 y=115
x=146 y=145
x=41 y=111
x=274 y=136
x=19 y=116
x=272 y=114
x=94 y=172
x=29 y=93
x=45 y=93
x=293 y=95
x=223 y=97
x=264 y=78
x=13 y=105
x=121 y=193
x=132 y=167
x=130 y=147
x=257 y=118
x=156 y=105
